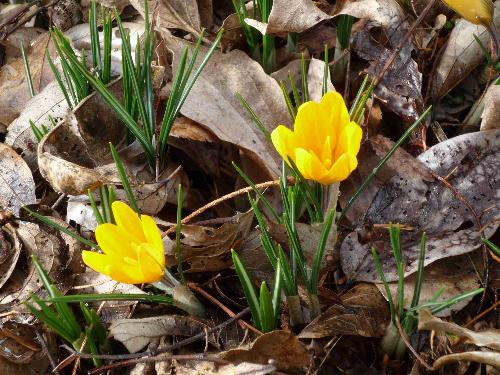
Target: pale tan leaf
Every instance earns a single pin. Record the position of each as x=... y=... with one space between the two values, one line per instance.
x=17 y=187
x=290 y=16
x=213 y=102
x=135 y=334
x=489 y=338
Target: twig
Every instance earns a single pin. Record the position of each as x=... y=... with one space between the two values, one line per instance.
x=161 y=357
x=31 y=13
x=46 y=350
x=408 y=345
x=214 y=203
x=215 y=301
x=169 y=348
x=407 y=36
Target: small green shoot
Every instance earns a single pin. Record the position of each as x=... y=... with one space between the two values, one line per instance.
x=494 y=248
x=27 y=71
x=61 y=319
x=124 y=179
x=265 y=308
x=392 y=343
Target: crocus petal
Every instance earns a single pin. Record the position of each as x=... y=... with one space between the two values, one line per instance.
x=309 y=165
x=283 y=141
x=349 y=141
x=153 y=238
x=128 y=220
x=114 y=241
x=308 y=130
x=110 y=266
x=151 y=270
x=340 y=170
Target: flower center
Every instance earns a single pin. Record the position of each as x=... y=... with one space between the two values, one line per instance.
x=327 y=163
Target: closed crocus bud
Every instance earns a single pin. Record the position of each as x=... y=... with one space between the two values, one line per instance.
x=475 y=11
x=324 y=142
x=132 y=250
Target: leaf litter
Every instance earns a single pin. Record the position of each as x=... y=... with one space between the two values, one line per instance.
x=442 y=182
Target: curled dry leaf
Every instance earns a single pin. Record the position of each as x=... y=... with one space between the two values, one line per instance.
x=489 y=338
x=135 y=334
x=362 y=313
x=206 y=249
x=470 y=164
x=290 y=17
x=461 y=54
x=58 y=253
x=17 y=187
x=213 y=102
x=10 y=249
x=75 y=157
x=451 y=277
x=283 y=348
x=49 y=103
x=488 y=358
x=18 y=343
x=491 y=114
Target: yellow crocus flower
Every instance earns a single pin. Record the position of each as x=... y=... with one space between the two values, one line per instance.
x=132 y=249
x=475 y=11
x=324 y=142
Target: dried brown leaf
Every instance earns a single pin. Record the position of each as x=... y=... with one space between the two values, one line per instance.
x=363 y=313
x=461 y=55
x=135 y=334
x=17 y=187
x=285 y=349
x=213 y=102
x=290 y=16
x=470 y=164
x=489 y=338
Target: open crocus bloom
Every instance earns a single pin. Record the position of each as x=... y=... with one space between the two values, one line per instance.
x=475 y=11
x=324 y=142
x=132 y=249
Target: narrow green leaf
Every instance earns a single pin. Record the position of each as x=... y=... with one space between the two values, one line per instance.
x=420 y=272
x=54 y=225
x=124 y=179
x=27 y=71
x=381 y=273
x=325 y=232
x=95 y=209
x=248 y=289
x=77 y=298
x=266 y=309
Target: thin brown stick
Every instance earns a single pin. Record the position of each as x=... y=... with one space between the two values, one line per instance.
x=161 y=357
x=214 y=203
x=489 y=309
x=25 y=18
x=167 y=348
x=227 y=310
x=46 y=350
x=406 y=37
x=408 y=345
